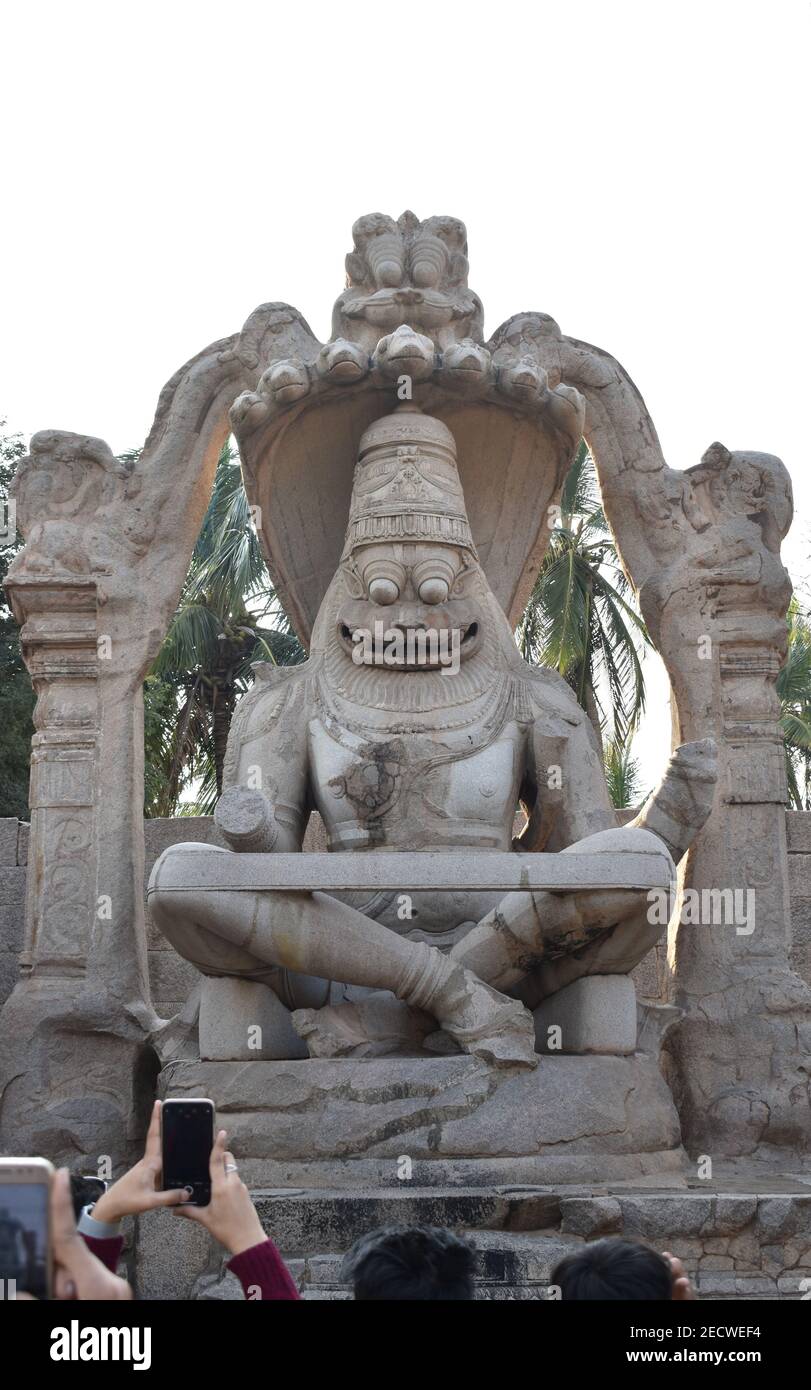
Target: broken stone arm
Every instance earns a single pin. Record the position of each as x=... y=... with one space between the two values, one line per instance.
x=568 y=781
x=265 y=799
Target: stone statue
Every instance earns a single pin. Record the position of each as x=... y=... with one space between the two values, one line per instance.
x=446 y=931
x=415 y=725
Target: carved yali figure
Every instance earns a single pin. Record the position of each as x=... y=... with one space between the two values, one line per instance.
x=416 y=726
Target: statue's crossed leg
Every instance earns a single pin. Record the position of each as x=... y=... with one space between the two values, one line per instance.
x=552 y=938
x=314 y=934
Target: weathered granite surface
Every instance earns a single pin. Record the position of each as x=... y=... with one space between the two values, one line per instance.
x=595 y=1014
x=347 y=1122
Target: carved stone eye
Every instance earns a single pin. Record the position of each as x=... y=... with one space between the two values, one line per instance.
x=434 y=590
x=383 y=591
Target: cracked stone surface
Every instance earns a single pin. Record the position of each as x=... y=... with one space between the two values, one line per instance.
x=338 y=1122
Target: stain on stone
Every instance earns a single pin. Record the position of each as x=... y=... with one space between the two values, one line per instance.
x=373 y=784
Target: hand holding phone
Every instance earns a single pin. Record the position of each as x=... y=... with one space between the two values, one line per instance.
x=139 y=1189
x=230 y=1216
x=187 y=1138
x=25 y=1227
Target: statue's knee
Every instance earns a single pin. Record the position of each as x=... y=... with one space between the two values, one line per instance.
x=169 y=879
x=297 y=991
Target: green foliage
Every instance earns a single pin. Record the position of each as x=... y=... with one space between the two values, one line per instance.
x=794 y=691
x=581 y=618
x=228 y=618
x=16 y=695
x=622 y=775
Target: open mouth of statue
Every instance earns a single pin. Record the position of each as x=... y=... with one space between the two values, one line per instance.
x=410 y=648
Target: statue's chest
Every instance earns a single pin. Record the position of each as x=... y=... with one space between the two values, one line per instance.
x=416 y=791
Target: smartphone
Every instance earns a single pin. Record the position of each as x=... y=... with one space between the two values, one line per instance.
x=187 y=1138
x=25 y=1227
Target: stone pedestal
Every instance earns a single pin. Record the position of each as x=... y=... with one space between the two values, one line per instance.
x=244 y=1020
x=442 y=1121
x=594 y=1014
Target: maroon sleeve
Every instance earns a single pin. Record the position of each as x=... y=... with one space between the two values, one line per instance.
x=107 y=1250
x=262 y=1267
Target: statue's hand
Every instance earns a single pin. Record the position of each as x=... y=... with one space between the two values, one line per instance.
x=247 y=820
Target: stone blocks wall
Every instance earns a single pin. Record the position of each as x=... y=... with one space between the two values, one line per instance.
x=734 y=1245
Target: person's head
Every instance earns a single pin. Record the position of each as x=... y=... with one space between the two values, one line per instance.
x=422 y=1262
x=84 y=1191
x=614 y=1269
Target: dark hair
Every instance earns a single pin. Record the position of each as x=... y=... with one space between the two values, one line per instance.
x=614 y=1269
x=422 y=1262
x=83 y=1192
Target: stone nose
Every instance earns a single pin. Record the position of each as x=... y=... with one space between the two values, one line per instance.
x=415 y=618
x=409 y=621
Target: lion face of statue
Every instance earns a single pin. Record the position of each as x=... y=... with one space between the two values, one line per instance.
x=411 y=607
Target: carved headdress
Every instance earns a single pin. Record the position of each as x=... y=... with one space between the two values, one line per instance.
x=406 y=485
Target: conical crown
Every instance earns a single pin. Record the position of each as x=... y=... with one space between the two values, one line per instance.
x=406 y=485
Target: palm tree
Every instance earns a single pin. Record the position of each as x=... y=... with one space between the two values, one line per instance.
x=794 y=691
x=228 y=617
x=622 y=774
x=580 y=618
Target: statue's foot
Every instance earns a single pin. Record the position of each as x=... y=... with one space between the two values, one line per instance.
x=378 y=1026
x=680 y=806
x=485 y=1023
x=477 y=1018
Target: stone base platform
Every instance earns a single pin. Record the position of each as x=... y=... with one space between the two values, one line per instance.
x=736 y=1245
x=439 y=1121
x=528 y=1164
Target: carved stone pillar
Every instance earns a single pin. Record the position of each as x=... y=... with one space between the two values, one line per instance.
x=58 y=618
x=702 y=549
x=107 y=548
x=740 y=1055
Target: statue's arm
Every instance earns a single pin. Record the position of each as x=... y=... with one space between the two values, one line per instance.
x=565 y=774
x=264 y=805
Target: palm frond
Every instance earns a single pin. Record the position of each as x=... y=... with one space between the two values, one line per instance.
x=622 y=774
x=229 y=616
x=581 y=618
x=191 y=642
x=794 y=693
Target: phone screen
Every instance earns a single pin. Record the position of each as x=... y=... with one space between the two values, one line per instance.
x=24 y=1238
x=188 y=1137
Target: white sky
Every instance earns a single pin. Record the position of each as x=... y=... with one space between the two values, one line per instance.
x=638 y=170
